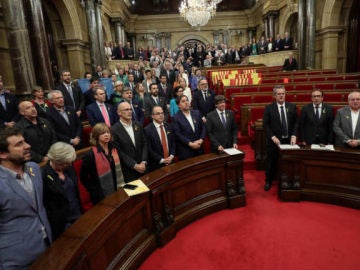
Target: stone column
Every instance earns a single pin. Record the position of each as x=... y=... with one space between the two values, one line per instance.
x=92 y=28
x=18 y=39
x=168 y=41
x=266 y=26
x=251 y=32
x=133 y=41
x=301 y=34
x=99 y=31
x=118 y=30
x=123 y=36
x=272 y=16
x=310 y=31
x=39 y=43
x=330 y=43
x=158 y=40
x=75 y=49
x=216 y=37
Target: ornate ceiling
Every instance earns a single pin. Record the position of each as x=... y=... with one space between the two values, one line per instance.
x=151 y=7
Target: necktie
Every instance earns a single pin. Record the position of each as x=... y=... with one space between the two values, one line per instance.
x=133 y=112
x=284 y=130
x=105 y=115
x=205 y=93
x=223 y=119
x=163 y=141
x=317 y=112
x=68 y=86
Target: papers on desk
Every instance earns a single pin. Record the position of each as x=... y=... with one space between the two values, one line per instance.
x=328 y=147
x=232 y=151
x=141 y=188
x=289 y=146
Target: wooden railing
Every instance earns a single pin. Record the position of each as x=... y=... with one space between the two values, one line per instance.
x=120 y=232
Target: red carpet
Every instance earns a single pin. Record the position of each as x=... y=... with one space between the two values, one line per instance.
x=266 y=234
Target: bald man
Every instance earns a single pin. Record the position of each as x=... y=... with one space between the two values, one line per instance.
x=37 y=131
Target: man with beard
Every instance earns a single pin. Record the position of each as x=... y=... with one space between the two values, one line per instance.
x=24 y=228
x=154 y=100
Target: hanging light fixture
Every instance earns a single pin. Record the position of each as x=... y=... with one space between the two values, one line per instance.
x=198 y=12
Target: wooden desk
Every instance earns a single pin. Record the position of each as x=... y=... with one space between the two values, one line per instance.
x=323 y=176
x=121 y=232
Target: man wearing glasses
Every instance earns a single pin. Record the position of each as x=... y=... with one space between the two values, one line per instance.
x=347 y=125
x=130 y=142
x=161 y=140
x=316 y=121
x=203 y=99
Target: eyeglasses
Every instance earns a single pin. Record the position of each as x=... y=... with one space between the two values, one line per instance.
x=126 y=110
x=316 y=96
x=158 y=113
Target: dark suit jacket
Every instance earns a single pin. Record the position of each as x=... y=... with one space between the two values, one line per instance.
x=21 y=220
x=290 y=66
x=184 y=134
x=77 y=94
x=129 y=154
x=288 y=42
x=117 y=53
x=55 y=198
x=11 y=113
x=168 y=94
x=311 y=128
x=40 y=136
x=343 y=127
x=155 y=149
x=94 y=114
x=149 y=103
x=272 y=122
x=218 y=134
x=278 y=45
x=64 y=131
x=139 y=111
x=204 y=107
x=171 y=77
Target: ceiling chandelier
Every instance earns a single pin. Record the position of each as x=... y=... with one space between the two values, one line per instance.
x=198 y=12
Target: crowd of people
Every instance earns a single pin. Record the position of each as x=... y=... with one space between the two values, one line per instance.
x=158 y=112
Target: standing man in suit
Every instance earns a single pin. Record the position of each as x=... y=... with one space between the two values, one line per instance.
x=165 y=89
x=221 y=127
x=72 y=93
x=155 y=99
x=280 y=123
x=161 y=140
x=130 y=142
x=36 y=130
x=189 y=130
x=66 y=123
x=290 y=63
x=316 y=121
x=347 y=124
x=203 y=99
x=287 y=42
x=99 y=111
x=25 y=230
x=9 y=113
x=136 y=105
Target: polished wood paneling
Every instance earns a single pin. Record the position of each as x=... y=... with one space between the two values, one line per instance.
x=120 y=232
x=325 y=176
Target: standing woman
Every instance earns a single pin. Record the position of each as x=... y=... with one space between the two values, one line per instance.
x=140 y=93
x=39 y=101
x=101 y=172
x=61 y=194
x=178 y=91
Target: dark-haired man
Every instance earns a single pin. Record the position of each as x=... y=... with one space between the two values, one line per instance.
x=23 y=217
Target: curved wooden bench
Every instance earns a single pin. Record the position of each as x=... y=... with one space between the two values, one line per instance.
x=120 y=232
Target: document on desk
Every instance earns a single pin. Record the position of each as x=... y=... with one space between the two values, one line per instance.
x=232 y=151
x=140 y=188
x=289 y=146
x=328 y=147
